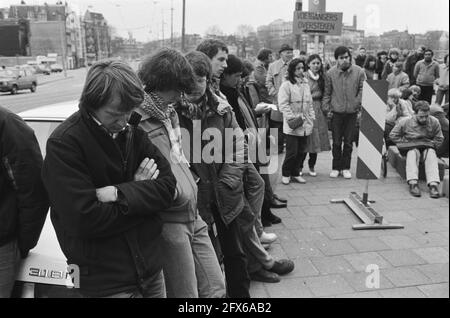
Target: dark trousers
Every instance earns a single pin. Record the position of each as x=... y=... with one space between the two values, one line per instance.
x=343 y=127
x=311 y=162
x=295 y=149
x=281 y=137
x=427 y=93
x=440 y=95
x=235 y=260
x=268 y=196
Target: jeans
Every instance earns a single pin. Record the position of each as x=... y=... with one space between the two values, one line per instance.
x=191 y=268
x=9 y=265
x=234 y=258
x=343 y=126
x=311 y=162
x=153 y=287
x=265 y=211
x=295 y=149
x=281 y=136
x=254 y=187
x=258 y=257
x=413 y=159
x=440 y=94
x=426 y=93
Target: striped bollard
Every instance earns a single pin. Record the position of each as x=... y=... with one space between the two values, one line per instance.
x=370 y=154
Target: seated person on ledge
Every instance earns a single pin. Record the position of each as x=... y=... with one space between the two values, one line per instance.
x=418 y=138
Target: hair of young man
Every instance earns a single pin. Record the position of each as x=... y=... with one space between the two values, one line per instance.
x=109 y=77
x=422 y=106
x=429 y=51
x=211 y=47
x=166 y=70
x=201 y=64
x=406 y=94
x=370 y=58
x=264 y=54
x=235 y=65
x=380 y=54
x=248 y=68
x=292 y=68
x=399 y=65
x=341 y=51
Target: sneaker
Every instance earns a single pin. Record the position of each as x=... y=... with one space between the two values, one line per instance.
x=347 y=174
x=265 y=276
x=312 y=173
x=415 y=190
x=286 y=180
x=434 y=192
x=334 y=174
x=299 y=180
x=268 y=238
x=282 y=267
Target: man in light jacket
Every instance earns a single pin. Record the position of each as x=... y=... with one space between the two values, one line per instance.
x=343 y=96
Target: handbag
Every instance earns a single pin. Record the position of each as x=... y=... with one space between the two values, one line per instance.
x=297 y=122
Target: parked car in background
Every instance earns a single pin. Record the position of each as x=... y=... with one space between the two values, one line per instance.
x=56 y=68
x=16 y=79
x=42 y=69
x=44 y=273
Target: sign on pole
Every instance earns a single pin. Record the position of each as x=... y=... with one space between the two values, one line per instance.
x=326 y=23
x=371 y=137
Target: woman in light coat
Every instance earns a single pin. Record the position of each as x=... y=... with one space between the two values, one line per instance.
x=295 y=101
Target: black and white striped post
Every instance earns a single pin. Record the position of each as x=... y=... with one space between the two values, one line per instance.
x=370 y=153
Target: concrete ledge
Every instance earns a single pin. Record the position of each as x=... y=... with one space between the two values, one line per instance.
x=445 y=189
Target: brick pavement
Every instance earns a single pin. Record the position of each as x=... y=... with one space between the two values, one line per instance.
x=331 y=258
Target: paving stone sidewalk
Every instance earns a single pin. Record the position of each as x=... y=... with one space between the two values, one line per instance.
x=331 y=258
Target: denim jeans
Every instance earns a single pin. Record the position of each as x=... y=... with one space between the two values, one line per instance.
x=191 y=268
x=153 y=287
x=255 y=188
x=343 y=127
x=9 y=265
x=440 y=95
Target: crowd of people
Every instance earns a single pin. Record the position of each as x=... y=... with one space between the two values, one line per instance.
x=137 y=192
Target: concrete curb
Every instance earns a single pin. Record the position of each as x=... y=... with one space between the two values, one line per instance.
x=54 y=80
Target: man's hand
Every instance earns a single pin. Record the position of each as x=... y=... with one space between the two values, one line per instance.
x=107 y=194
x=148 y=170
x=262 y=108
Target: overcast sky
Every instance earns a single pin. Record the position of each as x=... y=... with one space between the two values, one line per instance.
x=144 y=17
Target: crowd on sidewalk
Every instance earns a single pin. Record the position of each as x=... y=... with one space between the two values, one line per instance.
x=137 y=193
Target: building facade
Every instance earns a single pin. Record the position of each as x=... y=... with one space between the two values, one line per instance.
x=97 y=37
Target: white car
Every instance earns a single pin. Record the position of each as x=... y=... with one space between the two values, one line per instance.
x=46 y=264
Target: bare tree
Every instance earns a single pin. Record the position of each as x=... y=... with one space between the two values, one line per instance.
x=244 y=30
x=214 y=30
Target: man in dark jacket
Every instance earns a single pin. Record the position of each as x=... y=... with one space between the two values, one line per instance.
x=107 y=185
x=23 y=201
x=361 y=58
x=411 y=62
